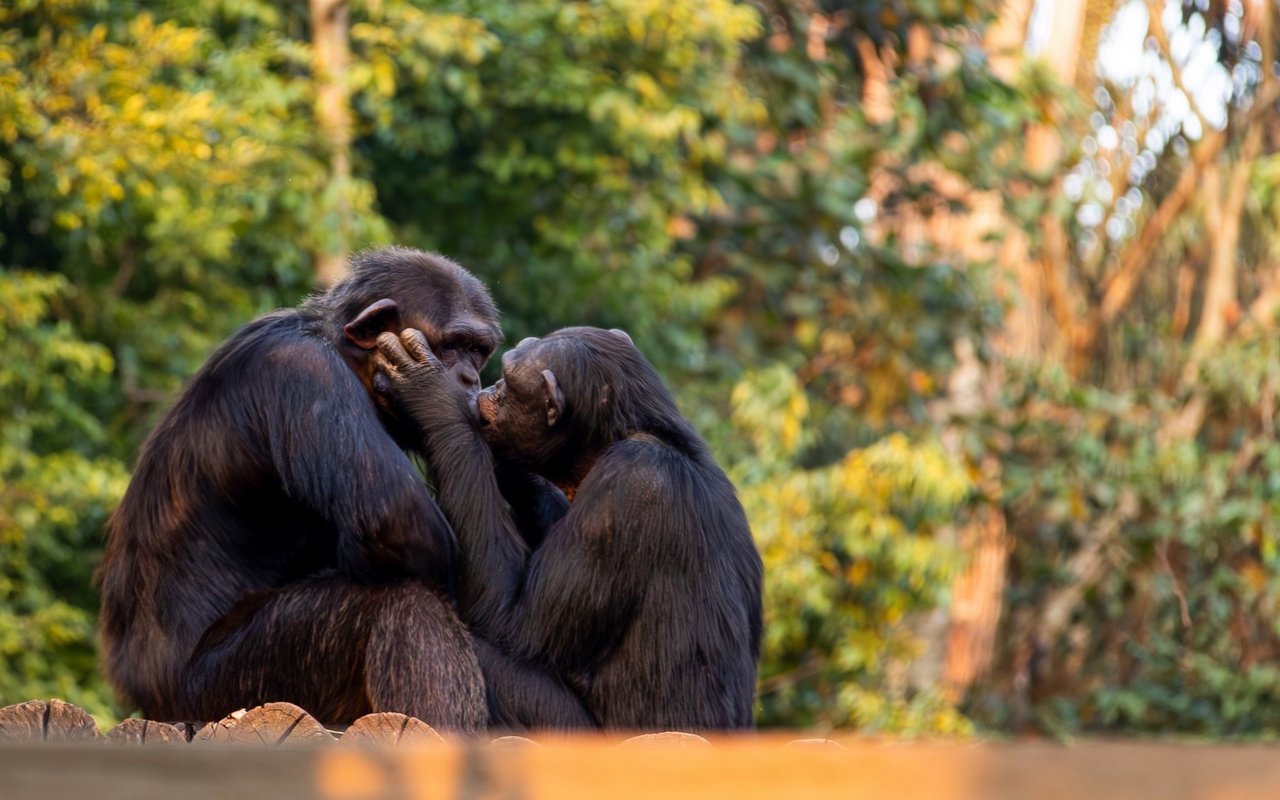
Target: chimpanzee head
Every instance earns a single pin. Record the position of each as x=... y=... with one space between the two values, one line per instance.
x=563 y=397
x=396 y=288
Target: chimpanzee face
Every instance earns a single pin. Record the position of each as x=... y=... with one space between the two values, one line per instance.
x=463 y=341
x=519 y=414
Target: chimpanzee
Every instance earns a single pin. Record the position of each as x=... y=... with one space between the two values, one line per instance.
x=645 y=595
x=276 y=542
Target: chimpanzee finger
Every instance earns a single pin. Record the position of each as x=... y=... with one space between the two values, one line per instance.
x=382 y=370
x=389 y=347
x=416 y=343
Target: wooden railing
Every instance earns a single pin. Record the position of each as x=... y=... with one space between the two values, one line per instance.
x=50 y=751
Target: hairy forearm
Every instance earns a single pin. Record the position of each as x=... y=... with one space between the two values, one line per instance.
x=492 y=554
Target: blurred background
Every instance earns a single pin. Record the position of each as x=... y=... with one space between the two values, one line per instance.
x=976 y=303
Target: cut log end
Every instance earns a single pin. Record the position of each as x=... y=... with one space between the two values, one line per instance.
x=270 y=725
x=391 y=728
x=46 y=721
x=145 y=731
x=667 y=739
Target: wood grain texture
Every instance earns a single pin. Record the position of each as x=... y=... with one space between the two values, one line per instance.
x=46 y=721
x=391 y=728
x=270 y=725
x=145 y=731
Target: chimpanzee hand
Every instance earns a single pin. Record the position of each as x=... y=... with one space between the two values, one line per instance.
x=412 y=377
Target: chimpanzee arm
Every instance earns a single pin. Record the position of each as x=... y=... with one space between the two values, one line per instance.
x=493 y=553
x=522 y=691
x=580 y=589
x=335 y=457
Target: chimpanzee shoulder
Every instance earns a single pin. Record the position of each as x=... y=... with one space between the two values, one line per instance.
x=640 y=460
x=269 y=374
x=643 y=481
x=287 y=338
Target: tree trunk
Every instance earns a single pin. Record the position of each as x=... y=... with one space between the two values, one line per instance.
x=977 y=593
x=1223 y=210
x=1097 y=14
x=1006 y=40
x=977 y=596
x=877 y=100
x=1061 y=54
x=329 y=23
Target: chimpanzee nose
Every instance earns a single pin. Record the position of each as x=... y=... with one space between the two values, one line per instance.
x=469 y=378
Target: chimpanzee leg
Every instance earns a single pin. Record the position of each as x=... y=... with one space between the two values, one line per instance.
x=523 y=696
x=339 y=650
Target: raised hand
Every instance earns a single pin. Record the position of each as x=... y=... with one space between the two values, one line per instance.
x=416 y=382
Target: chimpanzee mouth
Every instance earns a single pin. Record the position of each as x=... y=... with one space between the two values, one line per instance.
x=473 y=406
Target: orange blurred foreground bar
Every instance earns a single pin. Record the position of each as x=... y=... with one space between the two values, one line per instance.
x=746 y=769
x=574 y=769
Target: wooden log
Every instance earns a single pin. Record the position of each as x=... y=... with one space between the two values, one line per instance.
x=145 y=731
x=270 y=725
x=23 y=722
x=807 y=744
x=667 y=739
x=513 y=742
x=41 y=721
x=391 y=728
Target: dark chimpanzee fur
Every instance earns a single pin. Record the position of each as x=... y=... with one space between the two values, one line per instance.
x=276 y=543
x=644 y=595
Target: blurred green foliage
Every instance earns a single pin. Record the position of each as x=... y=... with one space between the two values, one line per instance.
x=555 y=146
x=852 y=551
x=54 y=494
x=1176 y=629
x=163 y=182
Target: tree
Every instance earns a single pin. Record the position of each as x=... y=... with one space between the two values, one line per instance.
x=1135 y=446
x=157 y=189
x=329 y=66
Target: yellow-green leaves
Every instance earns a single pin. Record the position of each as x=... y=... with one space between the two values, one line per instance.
x=851 y=552
x=53 y=494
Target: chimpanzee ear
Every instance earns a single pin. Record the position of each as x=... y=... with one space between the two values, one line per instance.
x=554 y=398
x=623 y=334
x=379 y=317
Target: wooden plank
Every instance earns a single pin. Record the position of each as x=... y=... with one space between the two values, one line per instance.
x=513 y=741
x=52 y=721
x=756 y=768
x=270 y=725
x=44 y=771
x=746 y=768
